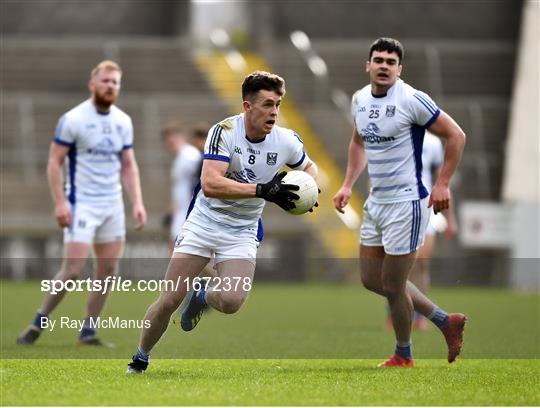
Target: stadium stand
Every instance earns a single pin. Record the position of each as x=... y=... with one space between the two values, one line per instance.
x=468 y=71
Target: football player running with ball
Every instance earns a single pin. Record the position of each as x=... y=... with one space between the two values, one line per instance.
x=390 y=120
x=242 y=157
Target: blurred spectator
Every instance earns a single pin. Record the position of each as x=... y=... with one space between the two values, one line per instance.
x=185 y=173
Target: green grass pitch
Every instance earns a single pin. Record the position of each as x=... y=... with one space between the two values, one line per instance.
x=301 y=344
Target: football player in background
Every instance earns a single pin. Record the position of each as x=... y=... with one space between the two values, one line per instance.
x=390 y=120
x=96 y=138
x=185 y=174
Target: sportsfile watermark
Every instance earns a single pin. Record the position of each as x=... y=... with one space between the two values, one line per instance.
x=296 y=308
x=119 y=284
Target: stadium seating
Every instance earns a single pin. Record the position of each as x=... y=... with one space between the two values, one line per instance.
x=469 y=73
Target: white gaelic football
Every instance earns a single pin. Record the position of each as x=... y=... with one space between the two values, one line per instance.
x=308 y=192
x=438 y=221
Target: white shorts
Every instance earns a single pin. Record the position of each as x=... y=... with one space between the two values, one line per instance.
x=398 y=227
x=96 y=222
x=215 y=241
x=179 y=217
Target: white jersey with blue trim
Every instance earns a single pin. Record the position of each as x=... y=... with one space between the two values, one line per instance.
x=432 y=158
x=249 y=162
x=185 y=174
x=392 y=128
x=95 y=142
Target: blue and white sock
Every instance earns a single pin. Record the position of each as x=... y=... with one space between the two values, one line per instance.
x=37 y=319
x=404 y=350
x=87 y=330
x=142 y=355
x=439 y=317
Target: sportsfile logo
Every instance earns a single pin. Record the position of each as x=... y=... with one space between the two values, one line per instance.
x=119 y=284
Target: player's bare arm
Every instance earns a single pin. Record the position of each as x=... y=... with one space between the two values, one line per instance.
x=132 y=183
x=448 y=129
x=356 y=164
x=57 y=155
x=311 y=169
x=214 y=183
x=452 y=228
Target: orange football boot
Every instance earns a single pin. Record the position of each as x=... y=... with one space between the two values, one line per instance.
x=453 y=333
x=397 y=361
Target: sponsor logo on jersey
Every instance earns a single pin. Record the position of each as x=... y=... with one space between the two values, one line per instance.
x=237 y=150
x=105 y=148
x=251 y=175
x=390 y=110
x=362 y=109
x=370 y=130
x=370 y=134
x=271 y=159
x=242 y=176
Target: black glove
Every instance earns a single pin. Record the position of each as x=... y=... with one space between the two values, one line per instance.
x=278 y=193
x=316 y=203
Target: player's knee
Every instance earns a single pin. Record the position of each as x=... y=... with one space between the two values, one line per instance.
x=169 y=304
x=70 y=273
x=371 y=284
x=231 y=302
x=390 y=290
x=104 y=271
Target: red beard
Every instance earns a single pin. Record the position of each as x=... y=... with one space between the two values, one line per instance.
x=104 y=101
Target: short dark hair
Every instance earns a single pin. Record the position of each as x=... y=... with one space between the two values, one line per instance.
x=172 y=128
x=262 y=80
x=387 y=44
x=200 y=130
